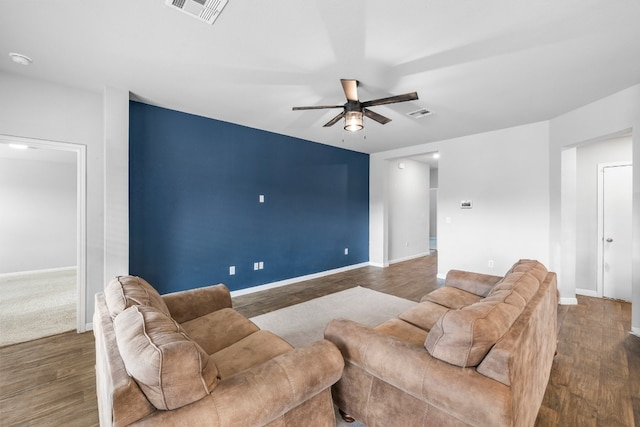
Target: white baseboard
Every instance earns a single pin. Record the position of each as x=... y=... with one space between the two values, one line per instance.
x=88 y=327
x=587 y=292
x=45 y=270
x=379 y=265
x=407 y=258
x=295 y=280
x=569 y=301
x=635 y=331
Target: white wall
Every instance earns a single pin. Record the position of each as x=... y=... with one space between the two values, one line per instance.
x=41 y=110
x=505 y=173
x=588 y=158
x=38 y=214
x=408 y=209
x=433 y=203
x=602 y=119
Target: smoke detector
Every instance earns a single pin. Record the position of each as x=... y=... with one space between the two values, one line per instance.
x=204 y=10
x=19 y=58
x=419 y=113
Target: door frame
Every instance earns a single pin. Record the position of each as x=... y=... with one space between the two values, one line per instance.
x=600 y=233
x=81 y=213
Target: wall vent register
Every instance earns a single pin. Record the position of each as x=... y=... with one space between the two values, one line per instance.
x=419 y=113
x=204 y=10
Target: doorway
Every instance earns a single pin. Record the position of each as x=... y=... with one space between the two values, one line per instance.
x=614 y=230
x=41 y=149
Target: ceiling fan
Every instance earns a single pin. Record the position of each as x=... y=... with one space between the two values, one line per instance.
x=353 y=110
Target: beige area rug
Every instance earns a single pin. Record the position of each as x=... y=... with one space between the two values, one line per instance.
x=36 y=305
x=304 y=323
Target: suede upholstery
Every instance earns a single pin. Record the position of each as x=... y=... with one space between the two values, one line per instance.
x=492 y=372
x=212 y=367
x=463 y=337
x=171 y=369
x=124 y=291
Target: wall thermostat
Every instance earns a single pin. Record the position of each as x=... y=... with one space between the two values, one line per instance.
x=466 y=204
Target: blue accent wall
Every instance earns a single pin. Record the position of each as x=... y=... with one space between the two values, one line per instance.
x=194 y=203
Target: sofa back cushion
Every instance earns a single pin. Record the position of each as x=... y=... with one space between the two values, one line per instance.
x=536 y=268
x=126 y=291
x=171 y=369
x=463 y=337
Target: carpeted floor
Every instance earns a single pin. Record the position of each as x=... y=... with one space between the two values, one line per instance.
x=37 y=305
x=304 y=323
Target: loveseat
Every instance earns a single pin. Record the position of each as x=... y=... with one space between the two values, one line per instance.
x=477 y=351
x=189 y=359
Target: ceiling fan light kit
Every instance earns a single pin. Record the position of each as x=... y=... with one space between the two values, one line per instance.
x=353 y=121
x=353 y=111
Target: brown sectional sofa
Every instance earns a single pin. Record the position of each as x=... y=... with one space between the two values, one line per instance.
x=189 y=359
x=477 y=351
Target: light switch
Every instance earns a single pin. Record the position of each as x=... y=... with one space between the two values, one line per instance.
x=232 y=270
x=261 y=198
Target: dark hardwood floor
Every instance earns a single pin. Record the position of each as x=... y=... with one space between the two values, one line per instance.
x=595 y=379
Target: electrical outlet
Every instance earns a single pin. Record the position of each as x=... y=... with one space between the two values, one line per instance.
x=346 y=251
x=256 y=266
x=232 y=270
x=261 y=265
x=490 y=263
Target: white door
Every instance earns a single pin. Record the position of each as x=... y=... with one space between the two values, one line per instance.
x=616 y=231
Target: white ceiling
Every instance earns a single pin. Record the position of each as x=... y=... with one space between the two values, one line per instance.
x=478 y=65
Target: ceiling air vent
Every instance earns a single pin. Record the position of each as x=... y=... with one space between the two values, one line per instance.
x=204 y=10
x=419 y=113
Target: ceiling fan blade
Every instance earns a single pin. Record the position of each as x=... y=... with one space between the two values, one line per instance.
x=335 y=120
x=377 y=117
x=391 y=100
x=317 y=107
x=350 y=88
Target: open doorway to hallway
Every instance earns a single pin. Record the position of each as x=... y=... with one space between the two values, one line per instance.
x=591 y=245
x=42 y=244
x=412 y=206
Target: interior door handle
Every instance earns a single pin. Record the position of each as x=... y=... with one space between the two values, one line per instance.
x=609 y=239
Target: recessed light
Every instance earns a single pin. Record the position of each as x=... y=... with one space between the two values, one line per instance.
x=436 y=155
x=19 y=58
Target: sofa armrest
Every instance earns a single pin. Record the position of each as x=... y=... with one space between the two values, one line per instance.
x=263 y=393
x=462 y=392
x=193 y=303
x=476 y=283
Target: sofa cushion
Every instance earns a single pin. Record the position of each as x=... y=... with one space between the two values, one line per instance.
x=463 y=337
x=219 y=329
x=250 y=351
x=402 y=330
x=537 y=269
x=126 y=291
x=524 y=285
x=424 y=315
x=171 y=369
x=451 y=297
